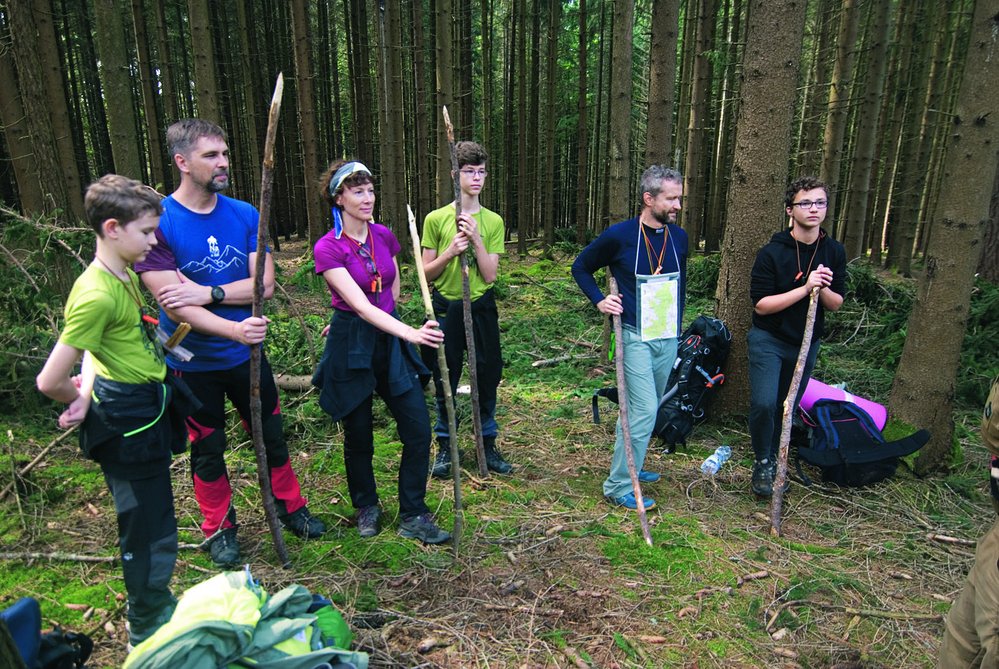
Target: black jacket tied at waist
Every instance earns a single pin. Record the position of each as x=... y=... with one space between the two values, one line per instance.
x=345 y=375
x=132 y=428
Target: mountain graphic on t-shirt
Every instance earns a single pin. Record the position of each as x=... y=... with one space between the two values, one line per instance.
x=230 y=258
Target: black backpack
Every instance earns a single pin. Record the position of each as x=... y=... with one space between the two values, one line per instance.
x=696 y=373
x=847 y=446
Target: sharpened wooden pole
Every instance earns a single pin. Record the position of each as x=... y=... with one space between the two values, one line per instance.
x=466 y=304
x=622 y=403
x=777 y=498
x=256 y=355
x=428 y=310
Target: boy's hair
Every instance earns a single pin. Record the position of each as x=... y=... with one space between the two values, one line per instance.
x=121 y=198
x=184 y=134
x=470 y=153
x=803 y=183
x=356 y=179
x=652 y=181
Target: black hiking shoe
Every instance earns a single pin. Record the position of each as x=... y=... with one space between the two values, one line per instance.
x=224 y=549
x=369 y=521
x=441 y=468
x=424 y=528
x=494 y=460
x=763 y=478
x=303 y=524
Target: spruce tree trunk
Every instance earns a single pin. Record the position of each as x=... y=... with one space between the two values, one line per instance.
x=203 y=54
x=662 y=82
x=154 y=125
x=582 y=146
x=759 y=170
x=809 y=154
x=692 y=214
x=619 y=197
x=988 y=264
x=306 y=99
x=548 y=208
x=117 y=84
x=444 y=20
x=937 y=323
x=16 y=137
x=854 y=216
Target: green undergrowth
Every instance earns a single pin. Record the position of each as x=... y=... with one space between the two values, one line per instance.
x=706 y=593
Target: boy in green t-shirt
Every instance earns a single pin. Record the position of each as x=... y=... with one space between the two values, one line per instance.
x=131 y=413
x=443 y=242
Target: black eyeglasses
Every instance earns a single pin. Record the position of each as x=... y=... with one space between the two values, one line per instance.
x=808 y=204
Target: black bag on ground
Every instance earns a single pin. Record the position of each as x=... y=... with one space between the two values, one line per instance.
x=848 y=447
x=56 y=649
x=702 y=350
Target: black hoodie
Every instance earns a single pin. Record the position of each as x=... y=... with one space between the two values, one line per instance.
x=774 y=272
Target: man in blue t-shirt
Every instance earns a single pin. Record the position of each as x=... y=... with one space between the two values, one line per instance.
x=202 y=273
x=647 y=255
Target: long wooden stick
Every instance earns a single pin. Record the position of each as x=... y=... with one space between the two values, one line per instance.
x=256 y=357
x=777 y=498
x=452 y=422
x=622 y=403
x=466 y=304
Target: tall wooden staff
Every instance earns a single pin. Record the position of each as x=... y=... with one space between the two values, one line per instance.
x=428 y=309
x=622 y=403
x=256 y=422
x=777 y=499
x=466 y=303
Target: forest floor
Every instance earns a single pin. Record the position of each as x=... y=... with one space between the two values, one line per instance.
x=546 y=574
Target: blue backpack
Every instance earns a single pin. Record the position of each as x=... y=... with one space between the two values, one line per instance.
x=52 y=650
x=848 y=447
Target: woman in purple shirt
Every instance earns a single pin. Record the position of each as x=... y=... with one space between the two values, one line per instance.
x=369 y=350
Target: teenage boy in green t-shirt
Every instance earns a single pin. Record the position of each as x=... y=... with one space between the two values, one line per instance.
x=132 y=413
x=444 y=240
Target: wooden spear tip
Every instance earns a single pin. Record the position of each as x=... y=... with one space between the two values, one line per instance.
x=278 y=89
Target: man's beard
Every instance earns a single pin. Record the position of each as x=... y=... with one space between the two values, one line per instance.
x=664 y=217
x=214 y=186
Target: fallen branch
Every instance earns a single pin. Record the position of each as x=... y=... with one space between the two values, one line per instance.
x=38 y=458
x=64 y=557
x=524 y=609
x=551 y=362
x=851 y=610
x=944 y=539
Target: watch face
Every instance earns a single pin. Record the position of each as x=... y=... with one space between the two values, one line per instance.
x=217 y=294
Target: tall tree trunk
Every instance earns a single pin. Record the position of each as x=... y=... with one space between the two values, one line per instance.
x=582 y=146
x=523 y=206
x=203 y=53
x=839 y=96
x=936 y=325
x=165 y=64
x=36 y=101
x=426 y=174
x=529 y=183
x=988 y=263
x=252 y=81
x=662 y=81
x=444 y=20
x=695 y=155
x=394 y=170
x=855 y=215
x=117 y=85
x=548 y=207
x=620 y=199
x=809 y=154
x=464 y=126
x=909 y=181
x=306 y=98
x=759 y=169
x=15 y=129
x=152 y=121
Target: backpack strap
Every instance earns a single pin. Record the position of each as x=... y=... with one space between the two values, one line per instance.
x=858 y=455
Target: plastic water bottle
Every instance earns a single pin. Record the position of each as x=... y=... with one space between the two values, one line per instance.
x=714 y=461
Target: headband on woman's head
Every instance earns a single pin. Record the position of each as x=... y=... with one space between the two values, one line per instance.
x=345 y=171
x=335 y=182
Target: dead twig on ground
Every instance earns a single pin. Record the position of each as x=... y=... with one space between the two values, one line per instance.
x=38 y=458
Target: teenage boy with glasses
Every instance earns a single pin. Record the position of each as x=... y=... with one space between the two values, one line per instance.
x=444 y=240
x=787 y=269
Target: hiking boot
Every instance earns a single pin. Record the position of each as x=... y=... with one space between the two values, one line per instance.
x=424 y=528
x=648 y=477
x=494 y=460
x=441 y=468
x=369 y=521
x=303 y=524
x=763 y=478
x=224 y=549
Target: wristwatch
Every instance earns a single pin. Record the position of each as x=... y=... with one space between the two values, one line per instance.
x=217 y=294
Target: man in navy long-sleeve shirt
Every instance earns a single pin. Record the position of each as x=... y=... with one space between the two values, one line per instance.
x=647 y=255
